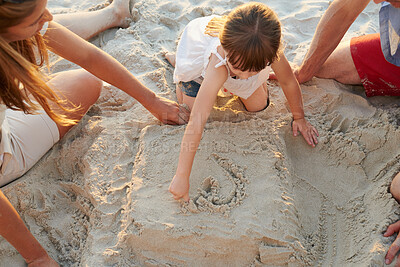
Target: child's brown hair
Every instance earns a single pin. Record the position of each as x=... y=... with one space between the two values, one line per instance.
x=250 y=34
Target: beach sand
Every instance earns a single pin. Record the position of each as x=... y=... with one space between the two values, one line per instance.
x=259 y=196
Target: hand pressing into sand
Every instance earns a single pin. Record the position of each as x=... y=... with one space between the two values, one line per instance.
x=308 y=131
x=179 y=188
x=395 y=247
x=297 y=73
x=168 y=111
x=301 y=76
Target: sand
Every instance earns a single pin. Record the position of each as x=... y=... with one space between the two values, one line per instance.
x=260 y=196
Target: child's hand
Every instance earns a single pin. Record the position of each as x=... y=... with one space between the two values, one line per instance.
x=179 y=187
x=308 y=131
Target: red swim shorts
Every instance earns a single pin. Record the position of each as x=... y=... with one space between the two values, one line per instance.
x=378 y=76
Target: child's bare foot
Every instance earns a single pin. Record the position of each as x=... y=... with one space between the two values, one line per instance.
x=179 y=188
x=171 y=58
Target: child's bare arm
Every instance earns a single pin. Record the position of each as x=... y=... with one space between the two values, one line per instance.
x=292 y=91
x=202 y=107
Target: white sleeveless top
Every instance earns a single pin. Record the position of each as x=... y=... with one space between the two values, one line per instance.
x=4 y=130
x=193 y=55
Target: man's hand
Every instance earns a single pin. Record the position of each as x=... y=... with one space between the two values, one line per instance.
x=300 y=75
x=394 y=248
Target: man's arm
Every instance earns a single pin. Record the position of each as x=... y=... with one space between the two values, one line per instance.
x=330 y=30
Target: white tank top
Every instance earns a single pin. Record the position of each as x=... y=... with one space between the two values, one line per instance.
x=193 y=55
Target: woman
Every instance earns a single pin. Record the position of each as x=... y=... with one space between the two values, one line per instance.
x=36 y=111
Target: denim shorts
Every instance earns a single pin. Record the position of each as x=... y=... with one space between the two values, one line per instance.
x=192 y=88
x=189 y=88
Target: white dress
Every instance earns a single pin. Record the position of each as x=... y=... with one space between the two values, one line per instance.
x=193 y=55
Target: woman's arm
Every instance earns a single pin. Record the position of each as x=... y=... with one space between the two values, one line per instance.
x=330 y=30
x=292 y=91
x=73 y=48
x=13 y=229
x=213 y=81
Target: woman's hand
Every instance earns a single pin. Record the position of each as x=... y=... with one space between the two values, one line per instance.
x=168 y=111
x=179 y=188
x=308 y=131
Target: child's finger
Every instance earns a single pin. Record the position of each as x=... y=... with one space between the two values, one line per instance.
x=393 y=228
x=393 y=249
x=306 y=136
x=176 y=197
x=314 y=137
x=295 y=129
x=309 y=138
x=315 y=131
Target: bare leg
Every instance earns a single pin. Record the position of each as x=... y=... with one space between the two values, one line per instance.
x=171 y=58
x=13 y=229
x=179 y=95
x=80 y=88
x=89 y=24
x=340 y=66
x=258 y=100
x=184 y=99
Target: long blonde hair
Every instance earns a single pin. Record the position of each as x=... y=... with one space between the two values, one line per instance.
x=20 y=63
x=250 y=34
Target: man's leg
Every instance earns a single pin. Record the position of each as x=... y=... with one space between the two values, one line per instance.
x=340 y=66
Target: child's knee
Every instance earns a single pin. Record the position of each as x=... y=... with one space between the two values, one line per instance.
x=395 y=187
x=261 y=105
x=255 y=109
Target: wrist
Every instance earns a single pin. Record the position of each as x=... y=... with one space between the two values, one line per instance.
x=297 y=118
x=149 y=99
x=298 y=115
x=181 y=174
x=305 y=72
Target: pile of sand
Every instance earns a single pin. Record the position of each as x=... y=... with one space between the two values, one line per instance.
x=259 y=195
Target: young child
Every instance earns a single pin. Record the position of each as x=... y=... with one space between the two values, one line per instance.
x=234 y=54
